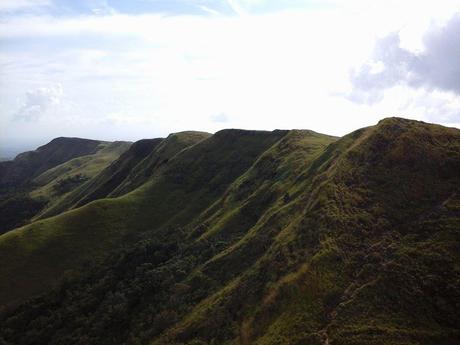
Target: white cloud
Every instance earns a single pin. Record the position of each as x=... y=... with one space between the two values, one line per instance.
x=434 y=67
x=134 y=76
x=38 y=101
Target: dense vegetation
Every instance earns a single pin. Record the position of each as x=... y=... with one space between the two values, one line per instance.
x=128 y=289
x=244 y=237
x=16 y=208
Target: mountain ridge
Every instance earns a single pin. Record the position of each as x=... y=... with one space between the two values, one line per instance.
x=37 y=179
x=55 y=152
x=250 y=237
x=115 y=209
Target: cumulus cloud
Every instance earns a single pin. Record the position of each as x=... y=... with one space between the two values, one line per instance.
x=38 y=101
x=437 y=67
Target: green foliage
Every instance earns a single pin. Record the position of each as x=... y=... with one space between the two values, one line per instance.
x=254 y=238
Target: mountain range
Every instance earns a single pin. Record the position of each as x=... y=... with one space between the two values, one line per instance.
x=237 y=237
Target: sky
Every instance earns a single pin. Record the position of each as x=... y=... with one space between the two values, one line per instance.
x=127 y=70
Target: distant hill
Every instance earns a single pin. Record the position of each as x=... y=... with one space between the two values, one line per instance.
x=36 y=180
x=30 y=164
x=129 y=171
x=250 y=237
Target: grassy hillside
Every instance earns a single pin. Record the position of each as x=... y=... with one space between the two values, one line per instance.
x=107 y=179
x=58 y=181
x=28 y=192
x=166 y=150
x=30 y=164
x=257 y=238
x=182 y=188
x=132 y=169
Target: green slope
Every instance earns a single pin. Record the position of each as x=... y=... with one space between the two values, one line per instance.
x=132 y=169
x=366 y=254
x=102 y=184
x=27 y=192
x=166 y=150
x=259 y=238
x=182 y=188
x=27 y=165
x=64 y=178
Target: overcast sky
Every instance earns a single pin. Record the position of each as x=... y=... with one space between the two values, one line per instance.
x=126 y=70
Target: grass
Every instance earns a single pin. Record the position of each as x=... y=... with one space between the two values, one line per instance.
x=30 y=164
x=84 y=167
x=90 y=232
x=32 y=194
x=279 y=238
x=131 y=170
